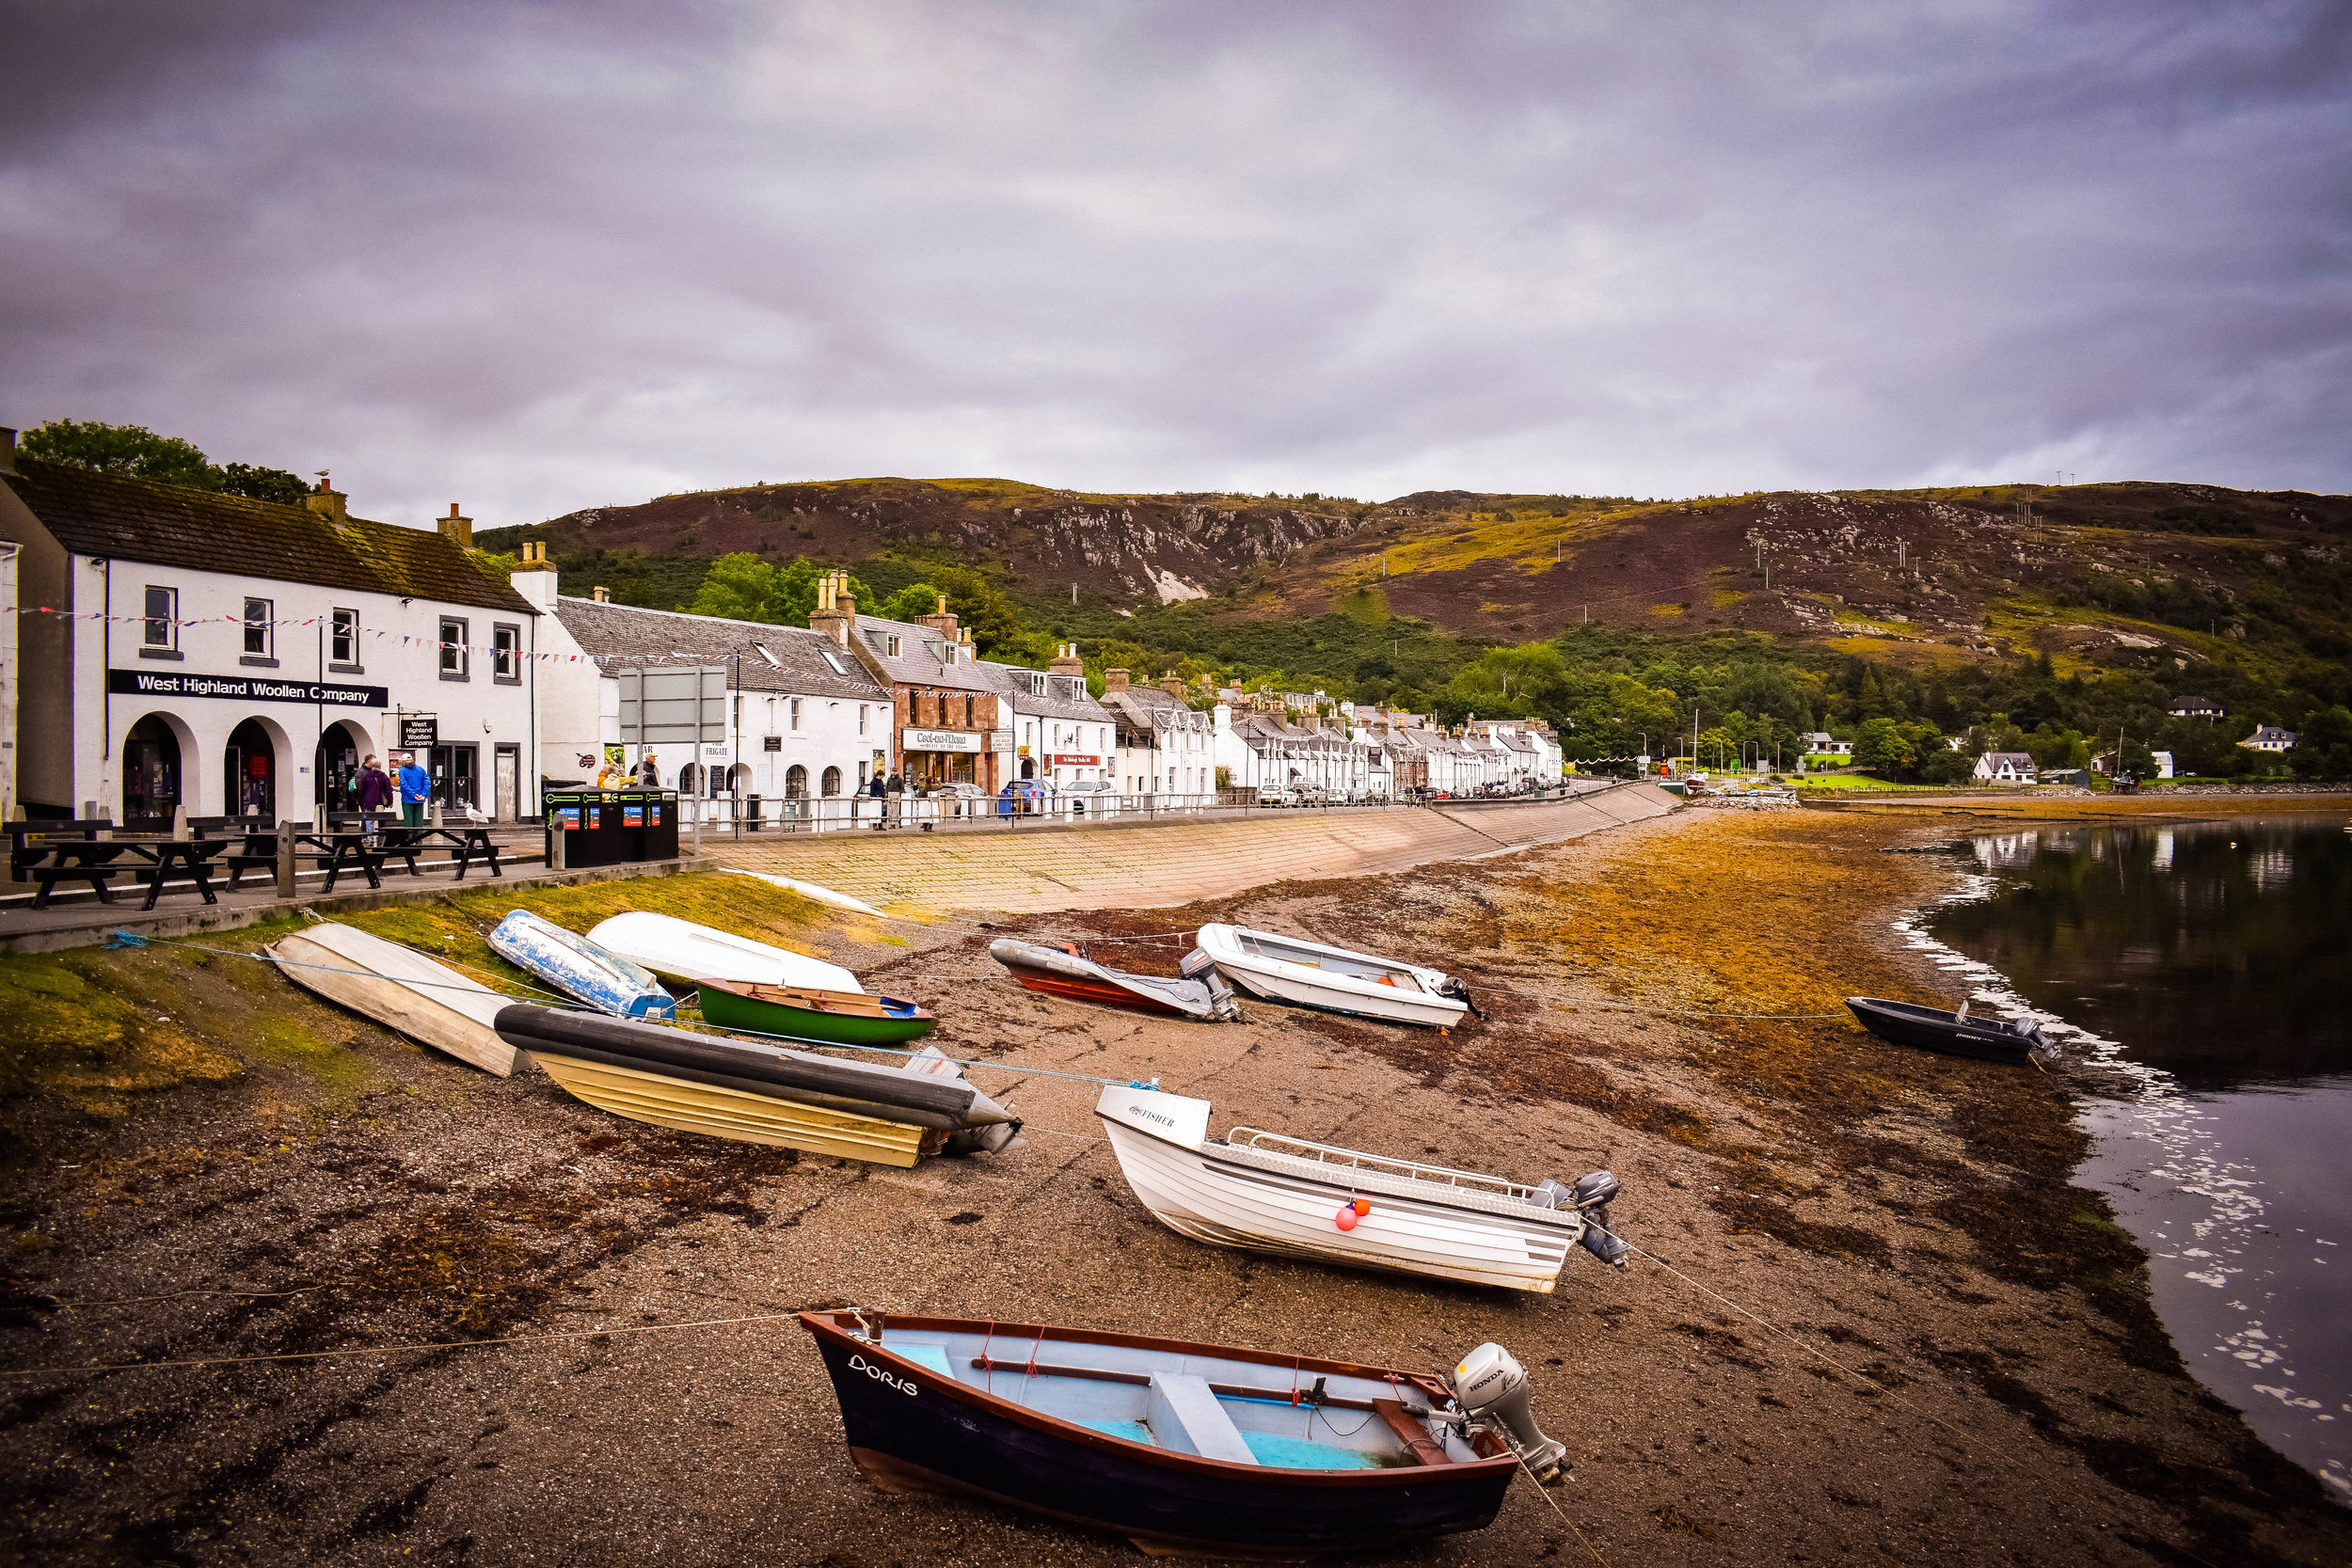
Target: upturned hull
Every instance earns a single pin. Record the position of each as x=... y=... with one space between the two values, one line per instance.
x=404 y=992
x=1225 y=1203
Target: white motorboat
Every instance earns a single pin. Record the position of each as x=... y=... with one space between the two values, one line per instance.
x=400 y=989
x=680 y=950
x=1262 y=1191
x=1305 y=974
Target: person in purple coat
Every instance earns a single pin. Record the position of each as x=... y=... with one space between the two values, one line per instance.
x=374 y=790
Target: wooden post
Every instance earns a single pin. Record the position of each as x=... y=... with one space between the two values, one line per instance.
x=555 y=841
x=286 y=860
x=180 y=821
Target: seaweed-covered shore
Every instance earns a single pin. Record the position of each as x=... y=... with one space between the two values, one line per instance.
x=204 y=1162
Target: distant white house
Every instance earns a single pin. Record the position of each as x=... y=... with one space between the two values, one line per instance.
x=2004 y=768
x=2270 y=737
x=2164 y=764
x=2195 y=707
x=1821 y=743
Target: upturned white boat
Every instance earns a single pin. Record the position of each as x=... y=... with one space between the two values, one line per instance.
x=580 y=968
x=1305 y=974
x=400 y=989
x=1265 y=1193
x=680 y=950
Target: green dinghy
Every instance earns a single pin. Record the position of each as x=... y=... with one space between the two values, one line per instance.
x=848 y=1017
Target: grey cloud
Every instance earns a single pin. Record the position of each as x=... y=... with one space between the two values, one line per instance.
x=536 y=257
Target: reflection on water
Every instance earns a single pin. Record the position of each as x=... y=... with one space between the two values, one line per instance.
x=2198 y=972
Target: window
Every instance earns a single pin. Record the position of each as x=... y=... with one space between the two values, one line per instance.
x=839 y=666
x=163 y=618
x=506 y=655
x=860 y=719
x=258 y=629
x=762 y=650
x=454 y=651
x=343 y=641
x=832 y=782
x=796 y=713
x=891 y=645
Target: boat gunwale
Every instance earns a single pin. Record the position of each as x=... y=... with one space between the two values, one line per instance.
x=823 y=1326
x=1269 y=969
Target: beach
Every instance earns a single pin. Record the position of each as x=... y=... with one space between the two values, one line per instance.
x=1871 y=1317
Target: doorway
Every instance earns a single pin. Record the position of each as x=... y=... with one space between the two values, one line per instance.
x=150 y=769
x=506 y=782
x=457 y=781
x=335 y=769
x=250 y=773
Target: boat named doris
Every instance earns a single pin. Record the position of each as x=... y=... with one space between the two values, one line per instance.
x=1186 y=1448
x=1265 y=1193
x=1306 y=973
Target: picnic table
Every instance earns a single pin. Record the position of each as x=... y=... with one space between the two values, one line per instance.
x=464 y=841
x=50 y=852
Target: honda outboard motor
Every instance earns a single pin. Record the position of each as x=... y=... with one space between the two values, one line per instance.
x=1452 y=985
x=1590 y=1196
x=1491 y=1387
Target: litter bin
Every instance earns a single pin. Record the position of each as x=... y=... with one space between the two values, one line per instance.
x=610 y=827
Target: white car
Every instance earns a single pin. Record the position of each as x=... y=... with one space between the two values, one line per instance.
x=1090 y=797
x=1277 y=795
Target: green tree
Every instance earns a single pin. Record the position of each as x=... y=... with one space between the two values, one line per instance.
x=128 y=450
x=263 y=484
x=1511 y=682
x=2323 y=748
x=915 y=598
x=743 y=587
x=1881 y=746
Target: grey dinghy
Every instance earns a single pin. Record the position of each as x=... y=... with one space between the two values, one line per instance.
x=1265 y=1193
x=761 y=1094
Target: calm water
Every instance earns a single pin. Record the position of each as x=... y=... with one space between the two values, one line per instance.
x=2198 y=976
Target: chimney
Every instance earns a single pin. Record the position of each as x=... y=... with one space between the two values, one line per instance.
x=327 y=501
x=456 y=529
x=535 y=575
x=1114 y=680
x=1174 y=685
x=1066 y=660
x=837 y=610
x=939 y=620
x=7 y=450
x=601 y=594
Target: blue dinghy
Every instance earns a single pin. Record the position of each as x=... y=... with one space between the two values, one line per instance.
x=580 y=968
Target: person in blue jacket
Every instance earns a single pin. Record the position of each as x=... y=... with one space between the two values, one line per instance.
x=416 y=788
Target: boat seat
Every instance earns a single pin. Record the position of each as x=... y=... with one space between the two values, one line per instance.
x=930 y=1357
x=1185 y=1417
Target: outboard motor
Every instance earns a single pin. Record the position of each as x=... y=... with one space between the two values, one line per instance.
x=1590 y=1196
x=1452 y=985
x=1492 y=1389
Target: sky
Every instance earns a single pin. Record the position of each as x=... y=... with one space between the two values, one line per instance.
x=536 y=257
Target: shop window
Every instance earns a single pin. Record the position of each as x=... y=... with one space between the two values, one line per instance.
x=454 y=650
x=831 y=783
x=506 y=655
x=796 y=782
x=259 y=629
x=342 y=641
x=162 y=632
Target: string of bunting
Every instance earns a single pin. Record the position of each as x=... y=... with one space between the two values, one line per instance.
x=403 y=638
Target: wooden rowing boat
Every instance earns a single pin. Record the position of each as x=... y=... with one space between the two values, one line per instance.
x=1067 y=972
x=849 y=1018
x=400 y=989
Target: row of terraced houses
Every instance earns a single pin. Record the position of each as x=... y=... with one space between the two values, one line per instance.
x=170 y=649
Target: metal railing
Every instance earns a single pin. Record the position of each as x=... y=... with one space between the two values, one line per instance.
x=1377 y=1164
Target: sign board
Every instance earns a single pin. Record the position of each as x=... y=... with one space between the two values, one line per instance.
x=1000 y=741
x=771 y=743
x=1072 y=759
x=421 y=732
x=678 y=706
x=939 y=740
x=244 y=688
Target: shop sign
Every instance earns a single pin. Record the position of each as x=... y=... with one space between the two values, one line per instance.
x=244 y=688
x=1072 y=759
x=939 y=740
x=420 y=732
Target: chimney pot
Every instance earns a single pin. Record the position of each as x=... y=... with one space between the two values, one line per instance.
x=603 y=594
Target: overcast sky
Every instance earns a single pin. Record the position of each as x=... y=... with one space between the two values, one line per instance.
x=537 y=256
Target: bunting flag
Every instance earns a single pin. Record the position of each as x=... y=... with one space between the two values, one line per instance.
x=405 y=640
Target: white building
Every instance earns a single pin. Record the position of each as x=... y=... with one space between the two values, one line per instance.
x=2006 y=767
x=221 y=656
x=801 y=720
x=1060 y=734
x=2270 y=737
x=1166 y=752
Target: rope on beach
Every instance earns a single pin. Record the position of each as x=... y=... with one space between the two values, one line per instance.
x=390 y=1350
x=1557 y=1508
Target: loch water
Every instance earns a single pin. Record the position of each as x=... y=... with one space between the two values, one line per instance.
x=2196 y=978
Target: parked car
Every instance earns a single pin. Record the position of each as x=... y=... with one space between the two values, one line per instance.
x=1277 y=795
x=1090 y=798
x=963 y=800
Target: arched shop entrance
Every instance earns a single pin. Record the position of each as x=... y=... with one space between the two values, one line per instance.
x=151 y=768
x=249 y=771
x=335 y=769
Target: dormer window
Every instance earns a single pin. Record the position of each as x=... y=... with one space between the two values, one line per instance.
x=891 y=647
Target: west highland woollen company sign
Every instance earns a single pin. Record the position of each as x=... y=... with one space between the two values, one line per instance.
x=244 y=688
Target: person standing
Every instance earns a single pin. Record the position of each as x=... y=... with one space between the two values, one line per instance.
x=375 y=792
x=894 y=801
x=416 y=788
x=648 y=772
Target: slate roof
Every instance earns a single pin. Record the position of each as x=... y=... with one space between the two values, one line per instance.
x=918 y=662
x=626 y=635
x=1013 y=680
x=163 y=525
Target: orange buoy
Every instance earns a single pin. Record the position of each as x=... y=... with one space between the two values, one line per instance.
x=1362 y=1206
